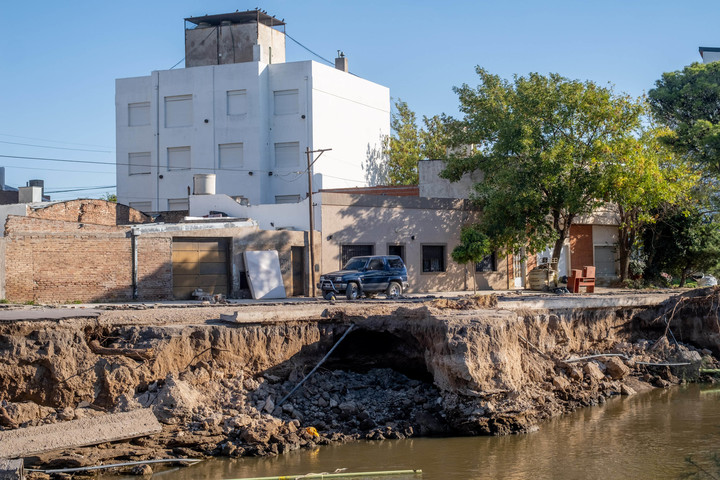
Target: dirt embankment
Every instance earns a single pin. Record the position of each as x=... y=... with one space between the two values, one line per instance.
x=435 y=368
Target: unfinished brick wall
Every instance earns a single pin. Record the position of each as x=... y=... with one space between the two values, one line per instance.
x=97 y=212
x=55 y=261
x=58 y=261
x=154 y=268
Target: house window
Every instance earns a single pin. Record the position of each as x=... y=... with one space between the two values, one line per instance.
x=349 y=251
x=237 y=102
x=398 y=250
x=231 y=156
x=178 y=204
x=178 y=158
x=138 y=114
x=178 y=111
x=433 y=258
x=142 y=206
x=139 y=163
x=287 y=198
x=287 y=154
x=487 y=264
x=286 y=102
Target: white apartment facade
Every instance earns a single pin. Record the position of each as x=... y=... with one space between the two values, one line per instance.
x=235 y=113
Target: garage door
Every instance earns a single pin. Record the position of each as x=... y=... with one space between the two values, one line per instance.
x=199 y=263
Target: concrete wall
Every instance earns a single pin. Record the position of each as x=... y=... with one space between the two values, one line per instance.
x=432 y=186
x=289 y=216
x=334 y=110
x=411 y=222
x=224 y=44
x=351 y=116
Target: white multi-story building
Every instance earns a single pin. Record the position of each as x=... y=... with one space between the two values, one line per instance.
x=238 y=110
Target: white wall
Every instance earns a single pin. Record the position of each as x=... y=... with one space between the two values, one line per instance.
x=289 y=216
x=340 y=111
x=349 y=115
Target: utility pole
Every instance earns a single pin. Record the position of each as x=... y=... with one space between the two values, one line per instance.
x=309 y=153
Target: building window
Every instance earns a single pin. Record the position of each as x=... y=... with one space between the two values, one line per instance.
x=139 y=163
x=487 y=264
x=178 y=158
x=142 y=206
x=231 y=156
x=287 y=154
x=287 y=198
x=349 y=251
x=178 y=204
x=237 y=102
x=138 y=114
x=178 y=111
x=433 y=258
x=398 y=250
x=286 y=102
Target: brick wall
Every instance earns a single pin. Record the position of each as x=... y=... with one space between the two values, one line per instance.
x=154 y=268
x=98 y=212
x=56 y=261
x=581 y=246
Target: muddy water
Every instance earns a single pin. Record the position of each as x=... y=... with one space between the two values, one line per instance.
x=647 y=436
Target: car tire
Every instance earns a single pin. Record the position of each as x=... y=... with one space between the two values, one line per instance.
x=352 y=292
x=394 y=290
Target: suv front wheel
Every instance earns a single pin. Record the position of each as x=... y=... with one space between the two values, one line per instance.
x=394 y=290
x=352 y=291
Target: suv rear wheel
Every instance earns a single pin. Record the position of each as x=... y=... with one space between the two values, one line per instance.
x=394 y=290
x=352 y=291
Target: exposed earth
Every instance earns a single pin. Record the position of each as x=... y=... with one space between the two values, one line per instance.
x=215 y=376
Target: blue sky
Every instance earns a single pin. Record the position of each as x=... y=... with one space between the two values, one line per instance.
x=59 y=60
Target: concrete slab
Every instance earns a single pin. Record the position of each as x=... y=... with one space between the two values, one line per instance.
x=263 y=272
x=55 y=314
x=571 y=301
x=78 y=433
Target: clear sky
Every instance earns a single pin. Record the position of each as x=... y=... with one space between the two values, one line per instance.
x=59 y=60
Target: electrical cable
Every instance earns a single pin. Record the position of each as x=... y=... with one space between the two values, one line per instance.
x=56 y=148
x=52 y=141
x=306 y=48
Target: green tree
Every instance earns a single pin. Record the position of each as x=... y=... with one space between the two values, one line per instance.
x=110 y=197
x=542 y=144
x=646 y=177
x=409 y=144
x=688 y=102
x=474 y=246
x=681 y=243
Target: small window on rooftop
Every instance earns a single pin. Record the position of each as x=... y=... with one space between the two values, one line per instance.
x=286 y=102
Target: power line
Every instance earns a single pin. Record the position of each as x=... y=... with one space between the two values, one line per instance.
x=80 y=189
x=306 y=48
x=56 y=148
x=52 y=141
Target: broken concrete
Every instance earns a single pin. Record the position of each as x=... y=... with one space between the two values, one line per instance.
x=217 y=374
x=78 y=433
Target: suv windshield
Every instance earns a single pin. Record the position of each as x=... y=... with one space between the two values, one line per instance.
x=355 y=264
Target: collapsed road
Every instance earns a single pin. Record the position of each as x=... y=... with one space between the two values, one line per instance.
x=215 y=376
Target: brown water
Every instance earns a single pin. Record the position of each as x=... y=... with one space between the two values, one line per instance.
x=646 y=436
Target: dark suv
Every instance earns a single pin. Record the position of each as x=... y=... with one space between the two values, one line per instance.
x=366 y=275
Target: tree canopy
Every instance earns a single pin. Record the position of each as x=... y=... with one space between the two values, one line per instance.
x=645 y=178
x=408 y=144
x=543 y=144
x=688 y=102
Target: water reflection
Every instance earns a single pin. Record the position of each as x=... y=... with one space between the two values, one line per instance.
x=646 y=436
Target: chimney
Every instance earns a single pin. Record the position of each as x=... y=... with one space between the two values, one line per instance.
x=341 y=62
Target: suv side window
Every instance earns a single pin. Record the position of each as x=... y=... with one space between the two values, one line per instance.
x=395 y=263
x=376 y=264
